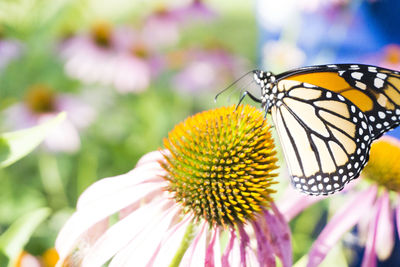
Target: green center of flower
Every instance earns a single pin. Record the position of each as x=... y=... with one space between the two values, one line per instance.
x=40 y=99
x=383 y=167
x=220 y=164
x=101 y=33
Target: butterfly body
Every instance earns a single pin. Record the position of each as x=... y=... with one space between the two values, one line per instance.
x=327 y=116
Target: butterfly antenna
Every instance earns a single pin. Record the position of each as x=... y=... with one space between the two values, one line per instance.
x=232 y=84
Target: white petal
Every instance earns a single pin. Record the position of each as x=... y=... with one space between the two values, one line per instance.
x=385 y=232
x=128 y=231
x=195 y=255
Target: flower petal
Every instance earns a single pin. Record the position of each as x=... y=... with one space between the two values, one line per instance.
x=195 y=255
x=83 y=219
x=341 y=222
x=265 y=251
x=103 y=190
x=213 y=252
x=173 y=239
x=140 y=250
x=293 y=202
x=385 y=231
x=280 y=235
x=232 y=251
x=369 y=258
x=123 y=232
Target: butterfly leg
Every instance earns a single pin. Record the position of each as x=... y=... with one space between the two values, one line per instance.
x=245 y=93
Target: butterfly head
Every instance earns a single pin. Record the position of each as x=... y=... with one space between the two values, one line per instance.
x=267 y=82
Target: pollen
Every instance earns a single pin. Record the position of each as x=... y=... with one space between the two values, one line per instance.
x=383 y=167
x=220 y=164
x=40 y=98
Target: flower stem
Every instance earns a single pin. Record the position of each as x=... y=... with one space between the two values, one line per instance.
x=186 y=241
x=51 y=180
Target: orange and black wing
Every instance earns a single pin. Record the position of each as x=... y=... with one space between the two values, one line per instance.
x=325 y=137
x=374 y=90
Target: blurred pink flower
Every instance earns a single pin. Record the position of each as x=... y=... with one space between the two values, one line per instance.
x=152 y=228
x=111 y=57
x=208 y=69
x=161 y=28
x=42 y=104
x=195 y=11
x=9 y=50
x=371 y=209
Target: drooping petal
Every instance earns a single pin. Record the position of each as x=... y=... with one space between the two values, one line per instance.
x=140 y=250
x=84 y=218
x=280 y=235
x=232 y=251
x=73 y=256
x=398 y=215
x=195 y=255
x=341 y=222
x=265 y=251
x=369 y=258
x=172 y=241
x=385 y=232
x=108 y=187
x=293 y=202
x=213 y=251
x=123 y=232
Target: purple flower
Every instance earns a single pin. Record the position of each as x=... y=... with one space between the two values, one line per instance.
x=196 y=11
x=196 y=203
x=370 y=208
x=208 y=69
x=42 y=104
x=9 y=50
x=111 y=57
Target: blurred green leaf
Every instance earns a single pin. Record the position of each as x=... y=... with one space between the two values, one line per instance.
x=13 y=240
x=15 y=145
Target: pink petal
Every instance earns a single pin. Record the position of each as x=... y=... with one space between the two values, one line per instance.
x=385 y=232
x=265 y=251
x=369 y=258
x=293 y=202
x=398 y=214
x=102 y=190
x=73 y=257
x=280 y=235
x=231 y=250
x=195 y=255
x=213 y=252
x=84 y=218
x=341 y=222
x=140 y=250
x=167 y=249
x=121 y=233
x=151 y=157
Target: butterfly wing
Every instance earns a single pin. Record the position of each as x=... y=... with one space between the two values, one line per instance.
x=324 y=136
x=375 y=91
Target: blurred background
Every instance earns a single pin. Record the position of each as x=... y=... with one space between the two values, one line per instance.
x=126 y=72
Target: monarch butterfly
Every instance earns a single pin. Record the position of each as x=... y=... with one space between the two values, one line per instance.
x=326 y=117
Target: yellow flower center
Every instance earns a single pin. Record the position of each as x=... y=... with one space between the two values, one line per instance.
x=383 y=167
x=220 y=164
x=101 y=33
x=40 y=98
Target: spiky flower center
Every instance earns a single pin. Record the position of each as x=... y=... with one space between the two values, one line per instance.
x=383 y=167
x=101 y=33
x=40 y=99
x=220 y=164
